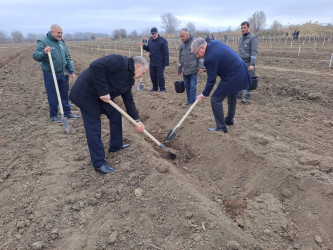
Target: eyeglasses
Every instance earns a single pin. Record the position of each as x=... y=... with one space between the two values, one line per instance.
x=196 y=53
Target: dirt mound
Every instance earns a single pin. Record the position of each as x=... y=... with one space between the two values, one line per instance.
x=266 y=184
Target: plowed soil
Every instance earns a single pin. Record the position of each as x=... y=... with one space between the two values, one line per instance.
x=266 y=184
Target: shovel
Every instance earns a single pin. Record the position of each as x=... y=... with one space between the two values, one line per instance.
x=172 y=134
x=64 y=119
x=172 y=155
x=140 y=86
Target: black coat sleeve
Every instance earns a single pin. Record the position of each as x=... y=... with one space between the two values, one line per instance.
x=130 y=105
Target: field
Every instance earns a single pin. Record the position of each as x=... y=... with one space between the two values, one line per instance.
x=266 y=184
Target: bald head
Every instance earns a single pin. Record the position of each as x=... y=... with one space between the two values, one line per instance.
x=56 y=31
x=184 y=34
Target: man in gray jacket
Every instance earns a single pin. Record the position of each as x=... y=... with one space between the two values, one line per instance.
x=247 y=50
x=188 y=65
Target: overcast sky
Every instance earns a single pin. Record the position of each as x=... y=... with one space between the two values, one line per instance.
x=36 y=16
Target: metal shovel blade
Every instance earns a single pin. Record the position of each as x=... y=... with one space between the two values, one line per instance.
x=140 y=87
x=65 y=123
x=171 y=135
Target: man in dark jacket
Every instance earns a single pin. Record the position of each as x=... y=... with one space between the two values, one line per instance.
x=104 y=80
x=159 y=58
x=220 y=60
x=61 y=61
x=248 y=50
x=188 y=65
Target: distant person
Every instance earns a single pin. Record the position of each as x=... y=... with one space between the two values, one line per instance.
x=220 y=60
x=286 y=34
x=159 y=59
x=104 y=80
x=248 y=50
x=213 y=38
x=207 y=39
x=61 y=61
x=297 y=34
x=188 y=65
x=226 y=38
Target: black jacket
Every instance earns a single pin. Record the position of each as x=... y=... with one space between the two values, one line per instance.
x=112 y=75
x=159 y=51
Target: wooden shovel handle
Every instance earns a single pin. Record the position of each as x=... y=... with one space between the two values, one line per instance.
x=187 y=113
x=134 y=122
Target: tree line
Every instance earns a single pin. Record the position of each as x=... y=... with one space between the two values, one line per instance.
x=170 y=25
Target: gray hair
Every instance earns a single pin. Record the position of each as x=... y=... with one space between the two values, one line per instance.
x=186 y=30
x=54 y=26
x=197 y=42
x=141 y=61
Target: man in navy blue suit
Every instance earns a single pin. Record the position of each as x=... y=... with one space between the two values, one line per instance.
x=104 y=80
x=220 y=60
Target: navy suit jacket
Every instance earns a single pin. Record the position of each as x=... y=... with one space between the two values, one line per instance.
x=112 y=74
x=220 y=60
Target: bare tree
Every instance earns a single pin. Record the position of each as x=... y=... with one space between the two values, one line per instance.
x=145 y=32
x=68 y=37
x=170 y=23
x=191 y=28
x=276 y=25
x=133 y=34
x=3 y=36
x=119 y=33
x=257 y=21
x=17 y=36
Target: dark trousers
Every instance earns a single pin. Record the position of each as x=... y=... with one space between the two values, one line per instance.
x=93 y=133
x=52 y=94
x=157 y=77
x=217 y=107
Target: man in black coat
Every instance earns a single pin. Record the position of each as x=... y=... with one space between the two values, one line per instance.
x=104 y=80
x=159 y=58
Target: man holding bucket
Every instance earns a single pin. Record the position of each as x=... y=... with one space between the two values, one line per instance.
x=220 y=60
x=188 y=65
x=247 y=50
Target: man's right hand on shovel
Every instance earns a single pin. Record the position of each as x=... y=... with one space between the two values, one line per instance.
x=47 y=49
x=141 y=127
x=200 y=98
x=105 y=98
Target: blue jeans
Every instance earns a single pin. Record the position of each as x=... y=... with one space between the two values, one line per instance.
x=52 y=94
x=217 y=107
x=93 y=133
x=157 y=77
x=190 y=82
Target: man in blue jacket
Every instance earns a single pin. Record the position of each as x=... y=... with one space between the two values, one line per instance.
x=220 y=60
x=104 y=80
x=61 y=61
x=159 y=58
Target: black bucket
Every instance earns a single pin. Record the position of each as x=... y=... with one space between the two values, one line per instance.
x=179 y=86
x=254 y=84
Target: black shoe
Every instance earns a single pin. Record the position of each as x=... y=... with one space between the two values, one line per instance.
x=104 y=169
x=225 y=130
x=230 y=123
x=71 y=116
x=153 y=90
x=116 y=149
x=55 y=119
